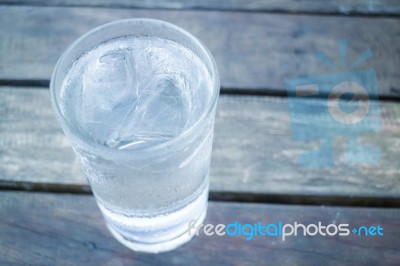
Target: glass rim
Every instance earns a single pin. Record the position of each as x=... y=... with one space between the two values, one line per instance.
x=173 y=142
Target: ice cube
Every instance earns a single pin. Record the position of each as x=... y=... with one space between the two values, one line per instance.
x=161 y=111
x=108 y=93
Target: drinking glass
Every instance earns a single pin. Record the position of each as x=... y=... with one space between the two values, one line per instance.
x=148 y=194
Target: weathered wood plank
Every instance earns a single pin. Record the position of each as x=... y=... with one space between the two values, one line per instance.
x=253 y=50
x=354 y=7
x=253 y=150
x=49 y=229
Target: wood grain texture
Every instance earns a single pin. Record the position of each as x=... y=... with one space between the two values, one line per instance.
x=51 y=229
x=353 y=7
x=253 y=150
x=256 y=51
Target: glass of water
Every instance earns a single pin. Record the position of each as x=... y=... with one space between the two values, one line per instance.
x=137 y=100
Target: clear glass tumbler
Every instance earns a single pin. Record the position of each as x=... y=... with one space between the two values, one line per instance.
x=148 y=191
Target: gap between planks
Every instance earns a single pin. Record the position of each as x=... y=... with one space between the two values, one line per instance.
x=382 y=8
x=44 y=84
x=224 y=196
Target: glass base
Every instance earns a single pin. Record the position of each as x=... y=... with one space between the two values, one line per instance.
x=158 y=247
x=158 y=233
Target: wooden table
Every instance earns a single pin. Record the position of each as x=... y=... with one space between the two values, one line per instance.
x=47 y=213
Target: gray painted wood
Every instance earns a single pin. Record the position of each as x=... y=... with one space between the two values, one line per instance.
x=53 y=229
x=253 y=150
x=381 y=7
x=256 y=51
